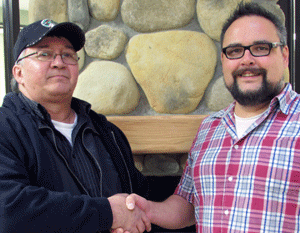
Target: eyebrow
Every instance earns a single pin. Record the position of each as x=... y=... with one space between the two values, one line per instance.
x=255 y=42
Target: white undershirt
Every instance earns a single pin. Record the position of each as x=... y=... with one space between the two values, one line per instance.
x=242 y=124
x=65 y=128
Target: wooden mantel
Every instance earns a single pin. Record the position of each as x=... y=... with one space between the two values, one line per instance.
x=159 y=134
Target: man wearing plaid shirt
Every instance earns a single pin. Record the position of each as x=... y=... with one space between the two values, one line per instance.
x=243 y=170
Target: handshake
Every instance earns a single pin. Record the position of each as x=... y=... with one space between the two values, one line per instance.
x=131 y=217
x=134 y=214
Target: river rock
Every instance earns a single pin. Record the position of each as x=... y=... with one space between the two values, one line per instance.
x=105 y=42
x=79 y=13
x=41 y=9
x=173 y=68
x=212 y=14
x=272 y=6
x=109 y=87
x=286 y=75
x=104 y=10
x=161 y=165
x=81 y=56
x=154 y=15
x=139 y=162
x=218 y=97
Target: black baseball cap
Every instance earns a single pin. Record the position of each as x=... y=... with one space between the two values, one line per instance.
x=33 y=33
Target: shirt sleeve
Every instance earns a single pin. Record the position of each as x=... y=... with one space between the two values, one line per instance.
x=185 y=188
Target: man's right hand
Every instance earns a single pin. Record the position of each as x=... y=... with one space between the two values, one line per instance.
x=173 y=213
x=131 y=220
x=134 y=200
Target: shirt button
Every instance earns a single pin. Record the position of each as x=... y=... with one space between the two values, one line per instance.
x=226 y=212
x=230 y=178
x=236 y=147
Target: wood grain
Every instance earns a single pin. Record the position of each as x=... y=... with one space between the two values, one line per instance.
x=159 y=134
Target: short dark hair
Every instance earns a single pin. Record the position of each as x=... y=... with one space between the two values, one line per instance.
x=248 y=9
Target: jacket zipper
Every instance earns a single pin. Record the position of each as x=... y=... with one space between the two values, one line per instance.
x=67 y=163
x=94 y=161
x=122 y=156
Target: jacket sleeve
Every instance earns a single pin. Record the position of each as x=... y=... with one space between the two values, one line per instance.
x=25 y=207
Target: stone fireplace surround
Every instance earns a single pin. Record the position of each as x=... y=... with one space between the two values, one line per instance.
x=147 y=60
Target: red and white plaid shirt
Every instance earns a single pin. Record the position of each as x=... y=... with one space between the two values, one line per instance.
x=249 y=184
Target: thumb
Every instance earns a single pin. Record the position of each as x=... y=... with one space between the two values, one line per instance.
x=130 y=202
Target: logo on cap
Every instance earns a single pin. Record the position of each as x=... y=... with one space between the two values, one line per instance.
x=48 y=23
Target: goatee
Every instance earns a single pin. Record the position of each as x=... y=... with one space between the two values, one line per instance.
x=264 y=94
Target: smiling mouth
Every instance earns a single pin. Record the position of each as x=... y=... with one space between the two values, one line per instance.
x=249 y=73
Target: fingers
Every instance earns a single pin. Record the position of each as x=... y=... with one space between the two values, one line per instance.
x=130 y=202
x=128 y=220
x=118 y=230
x=141 y=222
x=134 y=201
x=140 y=227
x=146 y=222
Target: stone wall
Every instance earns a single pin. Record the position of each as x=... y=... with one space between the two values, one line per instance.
x=149 y=57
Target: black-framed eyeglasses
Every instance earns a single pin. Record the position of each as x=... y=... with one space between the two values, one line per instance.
x=69 y=58
x=256 y=50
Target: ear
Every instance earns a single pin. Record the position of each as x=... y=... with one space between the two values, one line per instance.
x=285 y=54
x=17 y=72
x=222 y=56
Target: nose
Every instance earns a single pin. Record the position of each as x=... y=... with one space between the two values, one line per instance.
x=58 y=61
x=248 y=58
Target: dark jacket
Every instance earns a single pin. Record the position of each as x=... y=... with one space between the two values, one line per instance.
x=38 y=190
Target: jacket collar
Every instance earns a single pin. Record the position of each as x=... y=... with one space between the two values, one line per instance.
x=21 y=105
x=79 y=106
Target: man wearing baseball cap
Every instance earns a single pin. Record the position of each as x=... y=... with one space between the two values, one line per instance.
x=61 y=164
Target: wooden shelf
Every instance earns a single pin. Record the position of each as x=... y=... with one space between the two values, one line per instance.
x=159 y=134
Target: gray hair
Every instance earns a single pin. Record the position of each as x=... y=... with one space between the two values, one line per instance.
x=13 y=82
x=248 y=9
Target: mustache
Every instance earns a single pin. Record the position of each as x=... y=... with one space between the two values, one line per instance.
x=255 y=71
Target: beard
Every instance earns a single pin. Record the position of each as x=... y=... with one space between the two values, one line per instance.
x=264 y=94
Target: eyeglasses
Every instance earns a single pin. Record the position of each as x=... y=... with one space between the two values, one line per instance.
x=256 y=50
x=69 y=58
